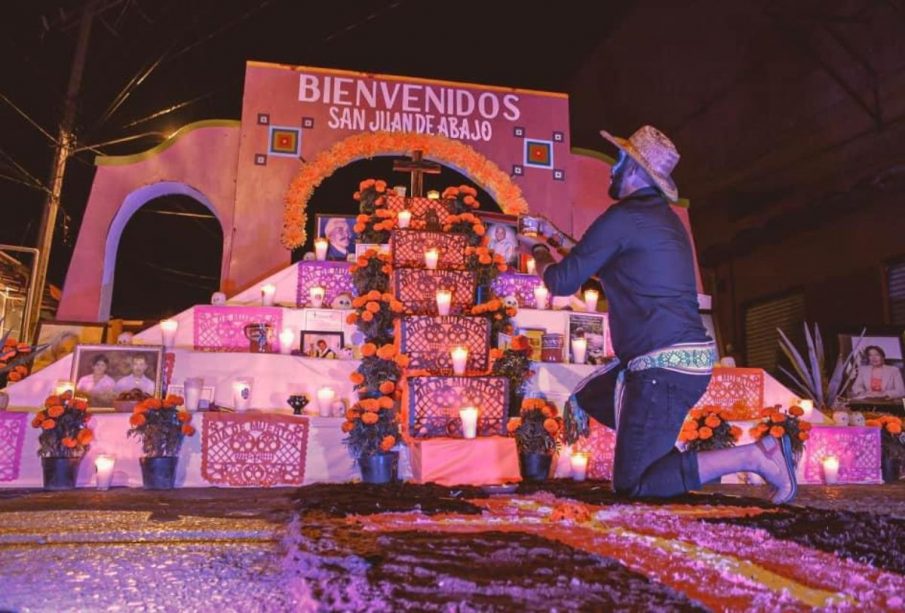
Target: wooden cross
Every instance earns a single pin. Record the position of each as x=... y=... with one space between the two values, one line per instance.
x=418 y=167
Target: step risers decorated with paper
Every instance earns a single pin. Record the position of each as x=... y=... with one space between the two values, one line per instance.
x=739 y=392
x=417 y=289
x=434 y=404
x=421 y=209
x=408 y=247
x=428 y=340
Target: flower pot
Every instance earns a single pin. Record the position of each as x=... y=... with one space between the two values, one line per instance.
x=60 y=473
x=379 y=468
x=535 y=466
x=159 y=473
x=890 y=468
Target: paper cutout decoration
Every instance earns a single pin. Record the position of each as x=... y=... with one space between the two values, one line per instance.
x=434 y=404
x=408 y=247
x=429 y=340
x=334 y=277
x=221 y=328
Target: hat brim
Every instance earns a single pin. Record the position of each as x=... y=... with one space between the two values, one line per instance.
x=664 y=182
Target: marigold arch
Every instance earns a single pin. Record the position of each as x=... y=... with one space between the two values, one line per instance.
x=367 y=145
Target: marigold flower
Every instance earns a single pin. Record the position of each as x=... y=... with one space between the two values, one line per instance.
x=56 y=411
x=80 y=404
x=352 y=318
x=368 y=349
x=385 y=402
x=387 y=443
x=14 y=376
x=369 y=404
x=704 y=433
x=137 y=420
x=520 y=343
x=387 y=387
x=551 y=426
x=369 y=418
x=713 y=421
x=367 y=316
x=735 y=432
x=358 y=228
x=69 y=442
x=696 y=413
x=386 y=352
x=691 y=435
x=796 y=410
x=51 y=401
x=357 y=378
x=777 y=431
x=85 y=436
x=188 y=429
x=184 y=416
x=352 y=414
x=374 y=295
x=48 y=424
x=403 y=360
x=373 y=307
x=778 y=417
x=154 y=403
x=36 y=422
x=347 y=426
x=496 y=354
x=803 y=436
x=894 y=428
x=546 y=412
x=386 y=269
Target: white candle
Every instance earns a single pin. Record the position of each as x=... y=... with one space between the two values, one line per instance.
x=459 y=359
x=241 y=395
x=316 y=294
x=404 y=218
x=579 y=463
x=104 y=466
x=62 y=386
x=431 y=257
x=444 y=299
x=541 y=293
x=325 y=396
x=591 y=296
x=531 y=266
x=400 y=190
x=469 y=416
x=808 y=407
x=287 y=338
x=168 y=329
x=579 y=350
x=320 y=248
x=433 y=195
x=193 y=393
x=268 y=292
x=830 y=469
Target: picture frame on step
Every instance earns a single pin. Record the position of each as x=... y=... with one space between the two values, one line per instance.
x=535 y=339
x=108 y=374
x=502 y=236
x=339 y=230
x=62 y=337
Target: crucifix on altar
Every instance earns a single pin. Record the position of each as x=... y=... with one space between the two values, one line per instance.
x=419 y=167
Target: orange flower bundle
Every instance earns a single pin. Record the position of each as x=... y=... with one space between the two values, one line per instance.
x=499 y=314
x=468 y=224
x=889 y=423
x=63 y=422
x=371 y=271
x=486 y=263
x=371 y=426
x=778 y=423
x=892 y=442
x=462 y=198
x=15 y=358
x=538 y=427
x=708 y=428
x=375 y=221
x=374 y=315
x=160 y=425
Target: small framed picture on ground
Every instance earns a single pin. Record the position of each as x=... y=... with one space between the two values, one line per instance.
x=321 y=344
x=107 y=373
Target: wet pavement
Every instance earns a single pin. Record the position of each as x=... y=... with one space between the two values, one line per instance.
x=203 y=549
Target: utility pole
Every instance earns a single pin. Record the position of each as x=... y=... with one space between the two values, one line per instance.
x=64 y=146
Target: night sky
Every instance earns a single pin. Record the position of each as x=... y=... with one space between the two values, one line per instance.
x=155 y=66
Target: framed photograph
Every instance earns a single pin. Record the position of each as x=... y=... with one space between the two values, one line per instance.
x=321 y=344
x=502 y=236
x=207 y=394
x=529 y=225
x=63 y=337
x=339 y=230
x=103 y=372
x=593 y=327
x=535 y=339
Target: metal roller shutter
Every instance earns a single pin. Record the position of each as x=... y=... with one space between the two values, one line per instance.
x=761 y=321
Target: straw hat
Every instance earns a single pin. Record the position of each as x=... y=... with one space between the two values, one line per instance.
x=654 y=152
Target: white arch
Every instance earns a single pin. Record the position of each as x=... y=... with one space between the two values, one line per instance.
x=134 y=201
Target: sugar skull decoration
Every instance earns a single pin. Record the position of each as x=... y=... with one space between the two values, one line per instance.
x=857 y=419
x=510 y=301
x=218 y=299
x=342 y=301
x=124 y=338
x=309 y=256
x=841 y=418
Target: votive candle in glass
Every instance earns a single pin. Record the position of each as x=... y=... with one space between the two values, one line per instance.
x=320 y=248
x=469 y=416
x=459 y=359
x=168 y=328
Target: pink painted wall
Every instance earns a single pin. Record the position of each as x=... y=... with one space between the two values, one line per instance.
x=199 y=161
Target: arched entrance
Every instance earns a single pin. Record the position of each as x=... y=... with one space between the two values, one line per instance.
x=160 y=228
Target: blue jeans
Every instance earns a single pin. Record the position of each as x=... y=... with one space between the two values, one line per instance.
x=654 y=405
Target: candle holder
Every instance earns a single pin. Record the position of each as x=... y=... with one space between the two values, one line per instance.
x=298 y=402
x=541 y=294
x=325 y=397
x=268 y=293
x=444 y=300
x=287 y=340
x=579 y=462
x=469 y=417
x=431 y=258
x=320 y=249
x=404 y=218
x=192 y=389
x=830 y=470
x=168 y=328
x=103 y=465
x=241 y=394
x=579 y=350
x=531 y=266
x=316 y=295
x=459 y=356
x=591 y=296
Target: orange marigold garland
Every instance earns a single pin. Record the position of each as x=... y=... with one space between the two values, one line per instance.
x=368 y=145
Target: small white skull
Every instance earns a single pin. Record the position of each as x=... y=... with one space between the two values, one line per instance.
x=125 y=338
x=510 y=301
x=342 y=301
x=857 y=419
x=218 y=298
x=309 y=256
x=841 y=418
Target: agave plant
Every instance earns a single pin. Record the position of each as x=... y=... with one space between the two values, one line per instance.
x=810 y=375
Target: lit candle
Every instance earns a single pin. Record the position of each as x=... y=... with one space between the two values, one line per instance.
x=267 y=294
x=320 y=248
x=591 y=296
x=168 y=329
x=404 y=218
x=579 y=350
x=193 y=392
x=541 y=293
x=62 y=386
x=287 y=338
x=459 y=359
x=808 y=407
x=579 y=463
x=316 y=294
x=241 y=394
x=104 y=464
x=400 y=190
x=830 y=469
x=431 y=257
x=469 y=416
x=433 y=195
x=531 y=266
x=325 y=396
x=444 y=300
